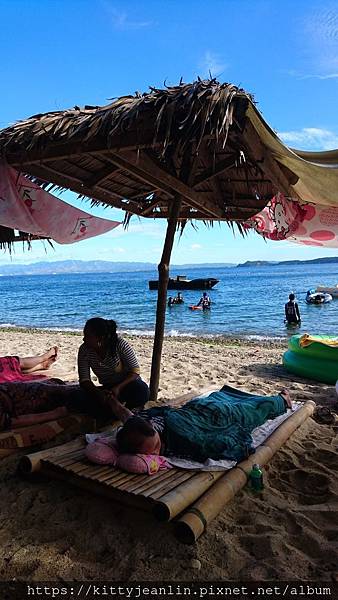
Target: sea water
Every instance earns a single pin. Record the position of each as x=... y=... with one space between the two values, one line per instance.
x=247 y=302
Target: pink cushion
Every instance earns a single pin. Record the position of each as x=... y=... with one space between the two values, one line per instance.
x=101 y=454
x=141 y=463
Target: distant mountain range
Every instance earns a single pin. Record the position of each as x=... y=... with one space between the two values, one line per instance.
x=267 y=263
x=94 y=266
x=102 y=266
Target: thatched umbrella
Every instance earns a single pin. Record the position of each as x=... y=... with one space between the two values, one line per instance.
x=9 y=236
x=188 y=152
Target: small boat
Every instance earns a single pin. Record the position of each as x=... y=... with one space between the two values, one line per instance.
x=182 y=283
x=314 y=297
x=328 y=290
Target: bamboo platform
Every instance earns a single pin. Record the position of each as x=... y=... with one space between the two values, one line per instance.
x=151 y=493
x=167 y=493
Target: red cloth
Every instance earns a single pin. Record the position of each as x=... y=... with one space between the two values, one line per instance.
x=10 y=370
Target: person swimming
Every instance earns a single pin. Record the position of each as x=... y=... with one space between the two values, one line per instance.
x=178 y=299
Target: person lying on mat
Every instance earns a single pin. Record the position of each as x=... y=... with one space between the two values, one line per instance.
x=217 y=426
x=15 y=368
x=114 y=362
x=24 y=403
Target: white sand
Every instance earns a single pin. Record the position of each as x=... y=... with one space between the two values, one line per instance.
x=50 y=530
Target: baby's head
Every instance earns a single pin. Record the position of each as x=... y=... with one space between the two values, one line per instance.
x=137 y=436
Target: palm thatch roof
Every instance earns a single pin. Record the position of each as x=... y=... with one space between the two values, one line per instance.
x=140 y=152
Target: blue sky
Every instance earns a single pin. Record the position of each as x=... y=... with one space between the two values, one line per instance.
x=56 y=54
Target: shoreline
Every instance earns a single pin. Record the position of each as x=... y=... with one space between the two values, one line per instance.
x=251 y=340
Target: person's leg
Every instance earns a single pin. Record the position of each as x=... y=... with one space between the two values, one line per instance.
x=135 y=394
x=29 y=364
x=43 y=417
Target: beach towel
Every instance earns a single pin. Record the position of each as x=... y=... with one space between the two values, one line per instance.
x=307 y=339
x=27 y=207
x=10 y=370
x=216 y=426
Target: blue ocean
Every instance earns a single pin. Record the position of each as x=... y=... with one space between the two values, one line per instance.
x=247 y=302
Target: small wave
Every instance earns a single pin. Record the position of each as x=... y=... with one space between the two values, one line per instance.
x=264 y=338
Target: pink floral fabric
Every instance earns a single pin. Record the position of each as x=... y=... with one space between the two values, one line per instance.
x=307 y=224
x=27 y=207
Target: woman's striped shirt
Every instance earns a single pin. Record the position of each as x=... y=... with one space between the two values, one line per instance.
x=111 y=370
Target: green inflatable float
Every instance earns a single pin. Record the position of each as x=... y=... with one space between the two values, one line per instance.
x=318 y=360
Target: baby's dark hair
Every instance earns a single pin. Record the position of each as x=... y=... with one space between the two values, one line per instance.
x=131 y=435
x=104 y=328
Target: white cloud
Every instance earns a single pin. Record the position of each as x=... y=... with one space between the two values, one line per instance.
x=310 y=138
x=148 y=228
x=195 y=246
x=121 y=19
x=321 y=35
x=298 y=75
x=212 y=63
x=328 y=76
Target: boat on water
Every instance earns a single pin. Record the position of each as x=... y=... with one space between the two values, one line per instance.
x=328 y=290
x=314 y=297
x=182 y=283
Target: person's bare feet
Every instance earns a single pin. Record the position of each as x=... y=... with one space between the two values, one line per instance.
x=286 y=396
x=49 y=357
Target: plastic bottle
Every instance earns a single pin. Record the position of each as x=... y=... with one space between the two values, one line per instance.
x=256 y=478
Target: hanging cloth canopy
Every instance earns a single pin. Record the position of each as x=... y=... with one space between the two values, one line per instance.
x=26 y=206
x=302 y=223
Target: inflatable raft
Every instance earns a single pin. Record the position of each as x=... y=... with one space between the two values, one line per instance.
x=313 y=297
x=313 y=357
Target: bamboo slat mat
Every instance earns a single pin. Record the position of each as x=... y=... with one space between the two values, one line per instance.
x=166 y=493
x=141 y=491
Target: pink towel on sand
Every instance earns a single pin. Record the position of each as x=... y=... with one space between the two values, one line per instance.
x=10 y=371
x=27 y=207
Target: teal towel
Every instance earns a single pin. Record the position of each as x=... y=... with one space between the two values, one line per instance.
x=217 y=426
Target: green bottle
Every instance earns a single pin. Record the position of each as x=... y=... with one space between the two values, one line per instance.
x=256 y=478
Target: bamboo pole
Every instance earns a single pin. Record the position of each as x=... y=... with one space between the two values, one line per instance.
x=175 y=501
x=163 y=271
x=32 y=462
x=195 y=520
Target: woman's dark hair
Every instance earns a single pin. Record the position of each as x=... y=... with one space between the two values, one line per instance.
x=130 y=436
x=105 y=329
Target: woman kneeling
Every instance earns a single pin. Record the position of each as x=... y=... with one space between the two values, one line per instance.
x=114 y=362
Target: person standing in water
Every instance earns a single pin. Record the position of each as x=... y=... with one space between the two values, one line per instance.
x=292 y=314
x=205 y=301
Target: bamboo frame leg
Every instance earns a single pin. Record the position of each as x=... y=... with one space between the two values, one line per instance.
x=163 y=270
x=195 y=520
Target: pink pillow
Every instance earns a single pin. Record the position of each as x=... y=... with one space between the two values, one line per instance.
x=101 y=454
x=142 y=463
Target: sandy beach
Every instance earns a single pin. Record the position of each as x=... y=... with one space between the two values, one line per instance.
x=51 y=531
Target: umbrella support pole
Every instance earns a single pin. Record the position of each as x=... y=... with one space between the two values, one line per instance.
x=163 y=273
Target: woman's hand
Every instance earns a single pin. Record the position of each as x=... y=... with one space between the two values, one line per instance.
x=115 y=391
